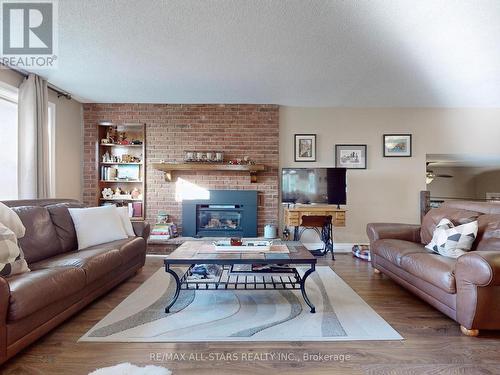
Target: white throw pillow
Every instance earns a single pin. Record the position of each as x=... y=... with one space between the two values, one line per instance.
x=452 y=241
x=127 y=224
x=12 y=260
x=11 y=220
x=97 y=225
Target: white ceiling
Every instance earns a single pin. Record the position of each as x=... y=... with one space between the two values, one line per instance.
x=463 y=160
x=388 y=53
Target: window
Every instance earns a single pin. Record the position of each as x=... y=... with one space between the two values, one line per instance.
x=8 y=142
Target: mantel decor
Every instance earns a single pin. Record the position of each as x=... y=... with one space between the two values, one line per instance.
x=203 y=156
x=169 y=168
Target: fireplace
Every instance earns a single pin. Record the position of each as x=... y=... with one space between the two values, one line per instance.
x=226 y=213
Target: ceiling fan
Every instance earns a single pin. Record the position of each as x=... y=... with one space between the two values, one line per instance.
x=430 y=175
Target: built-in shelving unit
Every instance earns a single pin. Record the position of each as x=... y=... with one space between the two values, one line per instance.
x=124 y=181
x=114 y=140
x=113 y=145
x=169 y=168
x=113 y=163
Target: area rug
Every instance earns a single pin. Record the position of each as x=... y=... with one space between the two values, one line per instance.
x=243 y=315
x=130 y=369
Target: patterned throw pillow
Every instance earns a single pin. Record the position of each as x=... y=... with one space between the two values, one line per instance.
x=11 y=257
x=452 y=241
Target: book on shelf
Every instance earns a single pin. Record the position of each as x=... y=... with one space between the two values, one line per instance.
x=159 y=237
x=135 y=209
x=108 y=173
x=163 y=231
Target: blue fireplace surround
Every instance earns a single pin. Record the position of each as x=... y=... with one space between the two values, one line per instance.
x=227 y=213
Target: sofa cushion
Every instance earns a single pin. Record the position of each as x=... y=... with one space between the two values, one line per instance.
x=393 y=250
x=129 y=248
x=96 y=262
x=433 y=217
x=11 y=220
x=40 y=240
x=453 y=241
x=433 y=268
x=63 y=224
x=488 y=234
x=132 y=248
x=97 y=225
x=12 y=260
x=125 y=218
x=35 y=290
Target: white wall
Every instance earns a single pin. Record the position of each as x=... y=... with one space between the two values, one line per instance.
x=69 y=140
x=388 y=191
x=467 y=182
x=461 y=185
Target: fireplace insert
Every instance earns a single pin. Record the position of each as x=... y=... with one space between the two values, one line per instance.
x=227 y=213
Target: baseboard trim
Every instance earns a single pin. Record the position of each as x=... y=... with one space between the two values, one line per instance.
x=338 y=247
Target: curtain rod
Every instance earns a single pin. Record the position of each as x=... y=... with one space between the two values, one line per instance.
x=56 y=89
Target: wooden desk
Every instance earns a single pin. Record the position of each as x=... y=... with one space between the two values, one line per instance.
x=293 y=216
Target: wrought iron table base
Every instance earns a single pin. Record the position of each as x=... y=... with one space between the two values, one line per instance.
x=177 y=287
x=325 y=234
x=248 y=282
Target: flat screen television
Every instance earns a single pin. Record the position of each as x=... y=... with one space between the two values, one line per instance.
x=313 y=185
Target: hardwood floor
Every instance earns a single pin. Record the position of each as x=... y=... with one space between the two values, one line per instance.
x=433 y=343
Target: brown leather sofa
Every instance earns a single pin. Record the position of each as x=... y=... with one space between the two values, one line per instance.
x=466 y=289
x=62 y=280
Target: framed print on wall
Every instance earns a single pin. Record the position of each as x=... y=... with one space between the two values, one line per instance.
x=397 y=145
x=350 y=156
x=305 y=147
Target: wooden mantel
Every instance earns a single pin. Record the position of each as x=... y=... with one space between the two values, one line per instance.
x=169 y=168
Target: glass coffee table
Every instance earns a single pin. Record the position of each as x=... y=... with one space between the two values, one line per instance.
x=190 y=254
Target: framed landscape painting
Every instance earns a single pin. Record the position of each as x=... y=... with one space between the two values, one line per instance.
x=305 y=147
x=397 y=145
x=350 y=156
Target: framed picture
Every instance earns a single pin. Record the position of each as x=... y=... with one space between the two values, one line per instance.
x=350 y=156
x=397 y=145
x=305 y=147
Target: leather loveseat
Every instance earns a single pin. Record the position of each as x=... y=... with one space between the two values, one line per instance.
x=466 y=289
x=62 y=280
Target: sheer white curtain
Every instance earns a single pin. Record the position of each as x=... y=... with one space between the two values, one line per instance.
x=33 y=138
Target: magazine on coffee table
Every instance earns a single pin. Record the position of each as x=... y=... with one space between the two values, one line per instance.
x=262 y=269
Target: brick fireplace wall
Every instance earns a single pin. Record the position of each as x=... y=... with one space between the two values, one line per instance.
x=238 y=130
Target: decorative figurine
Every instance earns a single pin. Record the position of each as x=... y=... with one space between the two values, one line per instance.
x=122 y=138
x=106 y=157
x=107 y=193
x=135 y=193
x=111 y=134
